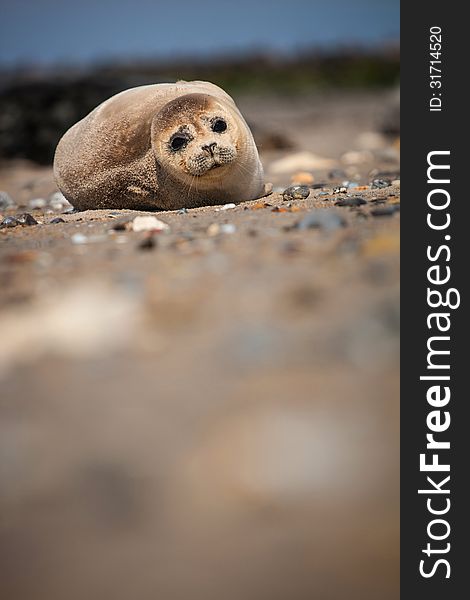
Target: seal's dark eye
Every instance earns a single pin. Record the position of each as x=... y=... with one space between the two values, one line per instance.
x=178 y=142
x=219 y=125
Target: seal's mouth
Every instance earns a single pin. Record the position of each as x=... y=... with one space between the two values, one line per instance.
x=207 y=167
x=206 y=162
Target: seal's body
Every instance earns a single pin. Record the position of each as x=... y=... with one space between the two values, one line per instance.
x=163 y=146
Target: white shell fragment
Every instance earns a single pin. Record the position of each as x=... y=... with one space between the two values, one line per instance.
x=149 y=223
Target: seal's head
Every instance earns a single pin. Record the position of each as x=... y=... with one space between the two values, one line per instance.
x=196 y=135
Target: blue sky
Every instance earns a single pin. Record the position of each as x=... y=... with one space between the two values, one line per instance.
x=82 y=31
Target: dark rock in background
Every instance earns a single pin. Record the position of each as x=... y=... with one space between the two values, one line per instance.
x=34 y=114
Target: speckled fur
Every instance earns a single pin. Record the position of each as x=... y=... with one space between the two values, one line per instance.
x=118 y=157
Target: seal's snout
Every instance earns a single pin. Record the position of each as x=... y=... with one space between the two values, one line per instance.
x=209 y=148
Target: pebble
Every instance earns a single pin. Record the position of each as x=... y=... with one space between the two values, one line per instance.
x=352 y=201
x=385 y=211
x=26 y=219
x=215 y=228
x=323 y=219
x=57 y=220
x=380 y=183
x=58 y=201
x=79 y=238
x=226 y=207
x=37 y=203
x=6 y=201
x=182 y=211
x=148 y=243
x=296 y=192
x=259 y=205
x=340 y=190
x=9 y=222
x=148 y=223
x=268 y=188
x=228 y=228
x=121 y=226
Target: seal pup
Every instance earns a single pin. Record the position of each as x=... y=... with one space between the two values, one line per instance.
x=160 y=147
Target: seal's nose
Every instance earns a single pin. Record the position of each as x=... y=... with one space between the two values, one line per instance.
x=209 y=148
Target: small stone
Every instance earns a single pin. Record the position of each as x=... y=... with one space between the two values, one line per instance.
x=302 y=178
x=149 y=223
x=296 y=192
x=260 y=205
x=228 y=228
x=385 y=211
x=58 y=201
x=352 y=201
x=182 y=211
x=340 y=190
x=268 y=188
x=323 y=194
x=120 y=226
x=57 y=220
x=79 y=238
x=37 y=203
x=380 y=183
x=148 y=243
x=9 y=222
x=26 y=219
x=226 y=207
x=213 y=229
x=323 y=219
x=6 y=201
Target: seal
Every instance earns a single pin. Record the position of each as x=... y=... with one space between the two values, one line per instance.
x=160 y=147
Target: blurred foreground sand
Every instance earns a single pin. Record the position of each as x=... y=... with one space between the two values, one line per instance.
x=216 y=416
